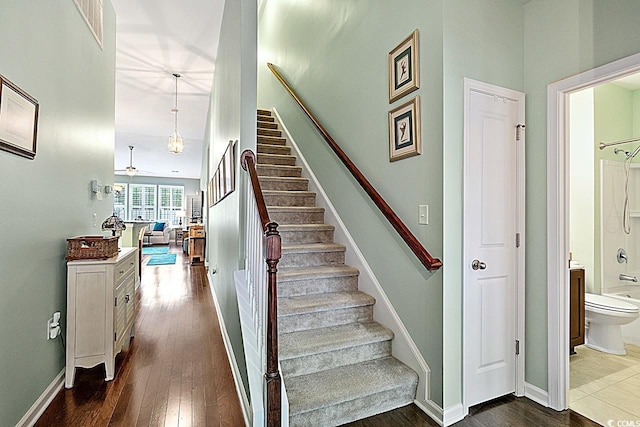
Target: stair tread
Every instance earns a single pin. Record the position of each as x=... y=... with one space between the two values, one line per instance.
x=306 y=227
x=282 y=179
x=313 y=247
x=288 y=192
x=289 y=306
x=320 y=271
x=322 y=340
x=270 y=166
x=275 y=156
x=343 y=384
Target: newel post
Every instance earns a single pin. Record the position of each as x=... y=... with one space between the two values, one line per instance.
x=272 y=376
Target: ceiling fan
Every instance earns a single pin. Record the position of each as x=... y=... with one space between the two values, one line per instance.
x=129 y=170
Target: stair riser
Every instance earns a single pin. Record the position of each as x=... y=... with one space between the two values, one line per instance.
x=267 y=125
x=262 y=119
x=274 y=149
x=293 y=288
x=263 y=113
x=297 y=217
x=282 y=185
x=308 y=259
x=332 y=359
x=276 y=171
x=293 y=237
x=271 y=141
x=321 y=319
x=356 y=409
x=276 y=160
x=290 y=199
x=269 y=132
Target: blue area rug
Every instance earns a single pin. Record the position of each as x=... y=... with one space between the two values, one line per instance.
x=155 y=250
x=162 y=259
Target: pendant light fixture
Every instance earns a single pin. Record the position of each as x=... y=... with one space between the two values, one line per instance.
x=175 y=141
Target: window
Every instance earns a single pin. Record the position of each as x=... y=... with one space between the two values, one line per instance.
x=142 y=202
x=120 y=200
x=171 y=200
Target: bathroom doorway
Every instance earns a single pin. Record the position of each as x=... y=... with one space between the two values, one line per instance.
x=583 y=201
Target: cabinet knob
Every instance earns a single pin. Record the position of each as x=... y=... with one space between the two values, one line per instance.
x=121 y=271
x=126 y=298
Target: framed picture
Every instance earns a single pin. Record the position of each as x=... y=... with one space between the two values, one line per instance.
x=404 y=130
x=404 y=68
x=229 y=158
x=18 y=120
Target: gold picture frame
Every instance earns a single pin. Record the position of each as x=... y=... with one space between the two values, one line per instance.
x=405 y=139
x=404 y=68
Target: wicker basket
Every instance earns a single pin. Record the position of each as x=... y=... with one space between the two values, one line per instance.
x=92 y=247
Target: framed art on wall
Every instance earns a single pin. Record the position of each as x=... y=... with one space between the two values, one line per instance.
x=18 y=120
x=404 y=130
x=404 y=68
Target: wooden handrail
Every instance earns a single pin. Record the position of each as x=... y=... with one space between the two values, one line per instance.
x=414 y=244
x=273 y=246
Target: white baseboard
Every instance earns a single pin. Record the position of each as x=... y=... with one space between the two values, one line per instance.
x=432 y=409
x=242 y=395
x=42 y=403
x=536 y=394
x=454 y=413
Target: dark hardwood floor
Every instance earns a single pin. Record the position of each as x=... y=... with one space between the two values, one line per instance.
x=176 y=371
x=508 y=411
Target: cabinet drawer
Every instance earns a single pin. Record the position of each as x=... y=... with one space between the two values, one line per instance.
x=124 y=267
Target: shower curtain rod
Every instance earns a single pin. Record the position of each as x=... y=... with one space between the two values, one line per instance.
x=604 y=145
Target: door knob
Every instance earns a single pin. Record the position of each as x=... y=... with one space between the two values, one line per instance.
x=478 y=265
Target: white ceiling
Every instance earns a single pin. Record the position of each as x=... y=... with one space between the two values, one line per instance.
x=631 y=82
x=154 y=39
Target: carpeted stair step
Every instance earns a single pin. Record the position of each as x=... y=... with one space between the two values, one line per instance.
x=322 y=310
x=276 y=159
x=269 y=132
x=296 y=214
x=314 y=350
x=274 y=149
x=262 y=112
x=267 y=125
x=284 y=183
x=349 y=393
x=310 y=254
x=317 y=280
x=289 y=198
x=274 y=170
x=306 y=233
x=271 y=140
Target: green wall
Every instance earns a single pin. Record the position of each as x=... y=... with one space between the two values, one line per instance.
x=483 y=41
x=232 y=116
x=334 y=53
x=48 y=50
x=561 y=40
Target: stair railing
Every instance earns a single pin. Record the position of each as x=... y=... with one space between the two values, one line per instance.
x=263 y=246
x=414 y=244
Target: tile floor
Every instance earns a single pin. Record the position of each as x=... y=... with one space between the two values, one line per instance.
x=605 y=387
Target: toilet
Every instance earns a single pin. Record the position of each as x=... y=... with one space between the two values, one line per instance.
x=604 y=315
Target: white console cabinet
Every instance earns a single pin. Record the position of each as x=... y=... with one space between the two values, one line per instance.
x=100 y=311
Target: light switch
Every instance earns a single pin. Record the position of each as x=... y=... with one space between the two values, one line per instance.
x=94 y=219
x=423 y=214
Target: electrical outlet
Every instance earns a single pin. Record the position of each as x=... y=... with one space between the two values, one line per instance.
x=53 y=326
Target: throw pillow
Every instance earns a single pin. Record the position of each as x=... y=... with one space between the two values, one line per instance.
x=159 y=226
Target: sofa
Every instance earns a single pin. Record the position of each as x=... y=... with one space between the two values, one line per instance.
x=158 y=233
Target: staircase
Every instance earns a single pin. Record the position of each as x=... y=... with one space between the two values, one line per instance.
x=336 y=360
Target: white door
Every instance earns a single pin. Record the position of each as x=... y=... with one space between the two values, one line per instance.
x=493 y=218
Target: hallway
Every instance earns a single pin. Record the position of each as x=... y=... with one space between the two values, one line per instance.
x=176 y=372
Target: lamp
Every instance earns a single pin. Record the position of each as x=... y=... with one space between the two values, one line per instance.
x=180 y=214
x=175 y=141
x=113 y=223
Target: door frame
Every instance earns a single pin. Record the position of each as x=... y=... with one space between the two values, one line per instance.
x=558 y=217
x=475 y=85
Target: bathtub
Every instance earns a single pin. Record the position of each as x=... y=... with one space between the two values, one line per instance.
x=630 y=293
